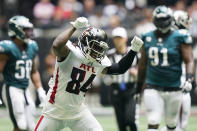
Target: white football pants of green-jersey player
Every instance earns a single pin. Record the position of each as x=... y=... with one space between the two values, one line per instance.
x=16 y=99
x=184 y=112
x=165 y=103
x=185 y=107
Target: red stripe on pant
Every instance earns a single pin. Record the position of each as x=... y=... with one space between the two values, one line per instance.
x=39 y=123
x=52 y=97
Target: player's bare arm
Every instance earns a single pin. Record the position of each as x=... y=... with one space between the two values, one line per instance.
x=59 y=48
x=141 y=70
x=188 y=59
x=3 y=60
x=35 y=77
x=134 y=71
x=125 y=63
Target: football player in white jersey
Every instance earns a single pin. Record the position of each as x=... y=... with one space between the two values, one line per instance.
x=183 y=22
x=76 y=67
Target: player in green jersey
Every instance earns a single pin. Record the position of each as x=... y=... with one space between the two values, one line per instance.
x=160 y=69
x=17 y=63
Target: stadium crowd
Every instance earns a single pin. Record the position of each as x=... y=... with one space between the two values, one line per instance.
x=107 y=14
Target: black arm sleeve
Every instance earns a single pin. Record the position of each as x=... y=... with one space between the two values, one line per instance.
x=123 y=65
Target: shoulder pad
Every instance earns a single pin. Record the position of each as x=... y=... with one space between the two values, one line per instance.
x=75 y=50
x=183 y=32
x=5 y=46
x=33 y=44
x=147 y=36
x=184 y=36
x=70 y=45
x=8 y=42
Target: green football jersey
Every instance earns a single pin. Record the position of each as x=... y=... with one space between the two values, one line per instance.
x=18 y=68
x=164 y=58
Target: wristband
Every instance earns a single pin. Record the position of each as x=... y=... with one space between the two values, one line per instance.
x=189 y=76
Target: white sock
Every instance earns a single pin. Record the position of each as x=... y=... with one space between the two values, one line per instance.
x=171 y=129
x=152 y=130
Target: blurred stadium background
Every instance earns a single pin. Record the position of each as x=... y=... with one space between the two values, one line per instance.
x=50 y=17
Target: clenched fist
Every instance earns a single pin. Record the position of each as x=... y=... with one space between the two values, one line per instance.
x=80 y=22
x=136 y=44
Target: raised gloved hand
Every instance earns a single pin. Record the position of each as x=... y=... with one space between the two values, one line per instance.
x=41 y=95
x=187 y=86
x=136 y=44
x=80 y=22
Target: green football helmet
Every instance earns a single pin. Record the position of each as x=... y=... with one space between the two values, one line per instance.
x=20 y=27
x=163 y=18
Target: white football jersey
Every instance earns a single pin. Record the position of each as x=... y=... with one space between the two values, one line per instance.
x=71 y=79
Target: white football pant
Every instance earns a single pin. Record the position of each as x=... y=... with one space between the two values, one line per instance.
x=21 y=113
x=184 y=112
x=158 y=103
x=86 y=122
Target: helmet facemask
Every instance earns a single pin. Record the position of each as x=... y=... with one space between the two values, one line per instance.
x=96 y=49
x=93 y=44
x=163 y=24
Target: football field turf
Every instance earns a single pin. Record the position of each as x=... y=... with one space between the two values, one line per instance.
x=108 y=122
